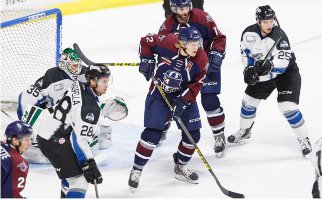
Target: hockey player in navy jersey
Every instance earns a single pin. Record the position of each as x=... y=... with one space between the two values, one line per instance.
x=181 y=69
x=279 y=72
x=14 y=168
x=214 y=43
x=167 y=9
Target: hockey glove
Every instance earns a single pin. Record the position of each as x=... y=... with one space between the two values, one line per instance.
x=215 y=61
x=250 y=75
x=146 y=67
x=91 y=172
x=263 y=70
x=180 y=107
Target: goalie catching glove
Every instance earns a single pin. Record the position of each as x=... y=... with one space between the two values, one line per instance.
x=114 y=108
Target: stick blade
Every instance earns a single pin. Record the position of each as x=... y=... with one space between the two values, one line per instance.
x=235 y=195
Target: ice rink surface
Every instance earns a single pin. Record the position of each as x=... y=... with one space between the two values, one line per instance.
x=270 y=165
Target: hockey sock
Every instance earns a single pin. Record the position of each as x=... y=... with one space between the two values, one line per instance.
x=294 y=118
x=144 y=149
x=247 y=115
x=216 y=120
x=185 y=148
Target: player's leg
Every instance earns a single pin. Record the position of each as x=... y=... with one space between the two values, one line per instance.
x=191 y=119
x=150 y=137
x=250 y=102
x=216 y=119
x=63 y=159
x=289 y=87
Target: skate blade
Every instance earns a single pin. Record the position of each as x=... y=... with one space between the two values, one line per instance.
x=307 y=156
x=133 y=190
x=219 y=154
x=183 y=179
x=241 y=142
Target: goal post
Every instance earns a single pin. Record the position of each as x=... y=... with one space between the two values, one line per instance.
x=29 y=46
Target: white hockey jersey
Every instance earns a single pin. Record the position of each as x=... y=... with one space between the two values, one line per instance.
x=73 y=119
x=47 y=89
x=254 y=47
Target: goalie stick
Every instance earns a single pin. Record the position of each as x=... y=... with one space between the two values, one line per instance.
x=89 y=62
x=185 y=130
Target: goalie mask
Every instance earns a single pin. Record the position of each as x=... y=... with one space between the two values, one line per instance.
x=70 y=63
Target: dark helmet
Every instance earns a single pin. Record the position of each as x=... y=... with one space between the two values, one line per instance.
x=189 y=34
x=264 y=13
x=97 y=71
x=18 y=129
x=174 y=4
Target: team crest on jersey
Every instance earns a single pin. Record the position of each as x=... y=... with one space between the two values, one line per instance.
x=209 y=19
x=284 y=45
x=59 y=87
x=90 y=117
x=23 y=166
x=171 y=81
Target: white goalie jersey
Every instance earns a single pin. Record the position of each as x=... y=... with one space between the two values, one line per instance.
x=47 y=90
x=254 y=47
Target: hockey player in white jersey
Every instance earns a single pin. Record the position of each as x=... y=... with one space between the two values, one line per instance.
x=317 y=163
x=262 y=75
x=46 y=91
x=68 y=129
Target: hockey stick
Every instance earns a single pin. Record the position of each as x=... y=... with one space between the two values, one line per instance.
x=4 y=112
x=185 y=130
x=89 y=62
x=271 y=49
x=96 y=190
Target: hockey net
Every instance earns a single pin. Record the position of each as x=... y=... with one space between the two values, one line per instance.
x=30 y=44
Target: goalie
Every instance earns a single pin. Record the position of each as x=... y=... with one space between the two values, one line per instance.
x=68 y=130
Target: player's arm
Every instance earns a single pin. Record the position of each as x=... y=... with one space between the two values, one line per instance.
x=36 y=94
x=82 y=138
x=147 y=50
x=282 y=55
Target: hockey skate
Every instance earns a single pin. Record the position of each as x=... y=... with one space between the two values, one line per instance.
x=305 y=146
x=184 y=174
x=240 y=136
x=220 y=145
x=134 y=179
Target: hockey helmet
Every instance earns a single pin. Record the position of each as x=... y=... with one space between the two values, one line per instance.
x=18 y=129
x=174 y=4
x=189 y=34
x=97 y=71
x=265 y=13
